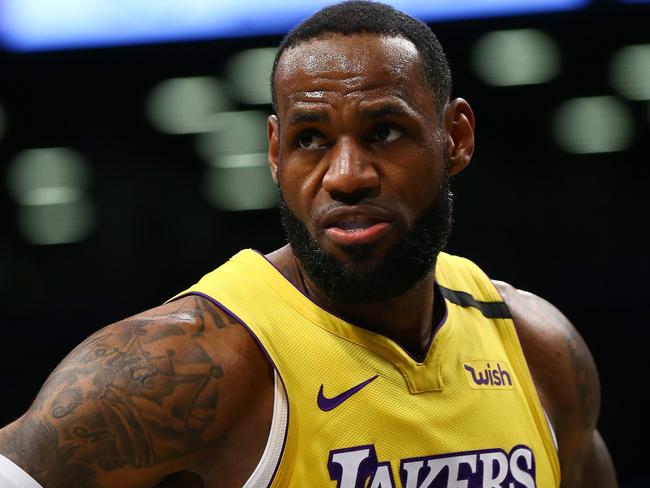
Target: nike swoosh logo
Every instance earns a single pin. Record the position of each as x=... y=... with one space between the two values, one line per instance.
x=327 y=404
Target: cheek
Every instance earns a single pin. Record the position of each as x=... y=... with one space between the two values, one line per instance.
x=426 y=184
x=417 y=182
x=299 y=186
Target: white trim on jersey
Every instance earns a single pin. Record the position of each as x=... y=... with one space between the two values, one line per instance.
x=12 y=476
x=263 y=474
x=550 y=426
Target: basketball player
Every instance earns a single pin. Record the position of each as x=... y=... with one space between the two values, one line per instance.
x=359 y=355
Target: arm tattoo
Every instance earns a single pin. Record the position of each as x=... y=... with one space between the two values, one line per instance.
x=586 y=379
x=128 y=396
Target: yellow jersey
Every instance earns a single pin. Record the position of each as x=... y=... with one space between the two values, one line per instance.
x=362 y=412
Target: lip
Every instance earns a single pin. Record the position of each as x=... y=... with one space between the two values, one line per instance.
x=357 y=237
x=356 y=225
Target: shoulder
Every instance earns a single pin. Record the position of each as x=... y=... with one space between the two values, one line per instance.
x=168 y=339
x=560 y=362
x=566 y=379
x=188 y=346
x=194 y=322
x=144 y=397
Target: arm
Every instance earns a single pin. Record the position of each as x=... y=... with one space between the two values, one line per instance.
x=566 y=379
x=141 y=399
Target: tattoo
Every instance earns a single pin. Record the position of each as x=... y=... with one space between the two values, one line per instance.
x=136 y=394
x=586 y=380
x=66 y=403
x=219 y=323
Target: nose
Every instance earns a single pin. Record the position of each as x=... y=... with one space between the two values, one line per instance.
x=351 y=174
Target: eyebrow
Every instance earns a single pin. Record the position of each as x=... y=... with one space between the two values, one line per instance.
x=305 y=116
x=298 y=117
x=382 y=111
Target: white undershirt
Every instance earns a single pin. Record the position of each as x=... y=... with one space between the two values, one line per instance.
x=263 y=474
x=11 y=476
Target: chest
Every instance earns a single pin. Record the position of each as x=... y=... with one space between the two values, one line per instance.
x=356 y=414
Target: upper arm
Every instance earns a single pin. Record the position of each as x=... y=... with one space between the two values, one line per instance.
x=566 y=379
x=137 y=400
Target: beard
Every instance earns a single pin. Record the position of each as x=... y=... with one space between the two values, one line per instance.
x=408 y=261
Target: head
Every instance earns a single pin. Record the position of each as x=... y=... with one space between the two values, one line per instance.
x=362 y=145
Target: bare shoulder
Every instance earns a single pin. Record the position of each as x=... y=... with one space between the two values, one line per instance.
x=560 y=362
x=566 y=379
x=141 y=398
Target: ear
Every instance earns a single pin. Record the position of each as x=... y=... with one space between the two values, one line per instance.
x=459 y=124
x=273 y=129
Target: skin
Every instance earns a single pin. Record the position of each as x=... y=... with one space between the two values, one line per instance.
x=167 y=398
x=181 y=395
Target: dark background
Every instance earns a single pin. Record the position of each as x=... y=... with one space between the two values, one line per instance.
x=567 y=227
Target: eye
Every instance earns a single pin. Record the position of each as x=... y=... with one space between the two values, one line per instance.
x=386 y=133
x=310 y=140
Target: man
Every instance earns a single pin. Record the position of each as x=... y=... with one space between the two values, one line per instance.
x=256 y=376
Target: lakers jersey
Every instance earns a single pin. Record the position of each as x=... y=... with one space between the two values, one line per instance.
x=362 y=412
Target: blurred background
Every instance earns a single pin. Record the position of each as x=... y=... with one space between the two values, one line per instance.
x=132 y=162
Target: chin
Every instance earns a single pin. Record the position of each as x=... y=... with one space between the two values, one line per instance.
x=356 y=258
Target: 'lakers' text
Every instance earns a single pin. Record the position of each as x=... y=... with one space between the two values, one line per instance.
x=358 y=467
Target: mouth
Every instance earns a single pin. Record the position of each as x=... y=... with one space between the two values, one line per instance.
x=355 y=226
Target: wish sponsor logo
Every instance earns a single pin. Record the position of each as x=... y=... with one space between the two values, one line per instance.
x=358 y=467
x=490 y=375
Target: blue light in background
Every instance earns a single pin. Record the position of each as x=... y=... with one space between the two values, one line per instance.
x=33 y=25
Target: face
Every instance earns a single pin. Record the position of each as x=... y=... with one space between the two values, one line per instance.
x=361 y=158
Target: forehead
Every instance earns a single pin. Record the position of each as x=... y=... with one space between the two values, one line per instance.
x=349 y=63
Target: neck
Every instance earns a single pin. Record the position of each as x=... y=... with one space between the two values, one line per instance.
x=407 y=319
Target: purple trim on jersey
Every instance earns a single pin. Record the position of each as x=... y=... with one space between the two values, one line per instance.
x=413 y=357
x=327 y=404
x=268 y=356
x=366 y=469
